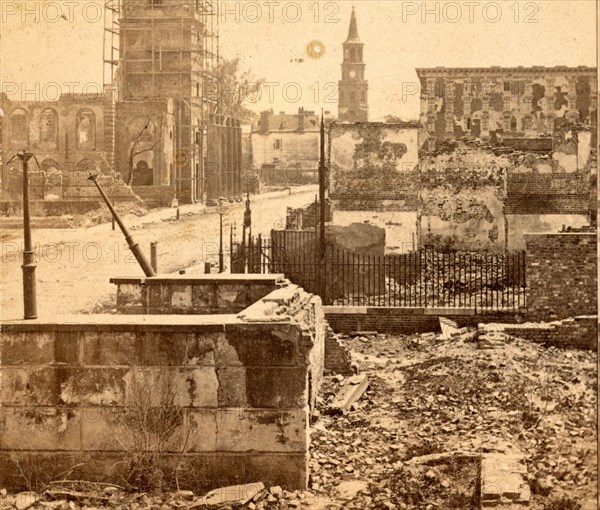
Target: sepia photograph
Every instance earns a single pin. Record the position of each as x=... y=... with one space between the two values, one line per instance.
x=299 y=254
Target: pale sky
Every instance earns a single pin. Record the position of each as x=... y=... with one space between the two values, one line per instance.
x=40 y=49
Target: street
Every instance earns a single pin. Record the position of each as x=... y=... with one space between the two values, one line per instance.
x=74 y=265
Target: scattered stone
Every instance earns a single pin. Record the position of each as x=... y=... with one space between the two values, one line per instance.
x=232 y=495
x=184 y=494
x=449 y=328
x=276 y=491
x=349 y=489
x=349 y=393
x=503 y=477
x=24 y=500
x=434 y=459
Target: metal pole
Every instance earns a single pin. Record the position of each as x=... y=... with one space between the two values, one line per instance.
x=322 y=191
x=154 y=256
x=133 y=246
x=28 y=267
x=220 y=242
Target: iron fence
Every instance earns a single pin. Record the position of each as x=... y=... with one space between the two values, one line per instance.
x=427 y=278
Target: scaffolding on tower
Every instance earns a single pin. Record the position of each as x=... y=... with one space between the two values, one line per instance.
x=195 y=88
x=111 y=43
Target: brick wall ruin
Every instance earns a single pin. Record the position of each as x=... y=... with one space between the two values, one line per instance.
x=405 y=320
x=562 y=275
x=242 y=387
x=463 y=200
x=372 y=166
x=472 y=197
x=579 y=332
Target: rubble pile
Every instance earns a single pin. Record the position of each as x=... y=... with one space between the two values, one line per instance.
x=103 y=215
x=433 y=394
x=253 y=496
x=423 y=416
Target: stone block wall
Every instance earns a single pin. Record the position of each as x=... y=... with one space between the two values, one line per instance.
x=562 y=275
x=201 y=294
x=242 y=390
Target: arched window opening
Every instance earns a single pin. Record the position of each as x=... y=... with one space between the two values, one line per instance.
x=86 y=130
x=19 y=127
x=49 y=128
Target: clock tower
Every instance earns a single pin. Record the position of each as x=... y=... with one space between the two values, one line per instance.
x=353 y=88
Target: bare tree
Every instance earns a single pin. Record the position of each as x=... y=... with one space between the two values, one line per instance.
x=136 y=151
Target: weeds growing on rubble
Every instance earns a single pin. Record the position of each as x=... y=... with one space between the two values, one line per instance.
x=152 y=418
x=563 y=503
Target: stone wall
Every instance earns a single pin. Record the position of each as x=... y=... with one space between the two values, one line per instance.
x=562 y=275
x=307 y=217
x=153 y=166
x=201 y=294
x=243 y=387
x=71 y=140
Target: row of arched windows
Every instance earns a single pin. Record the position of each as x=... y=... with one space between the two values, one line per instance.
x=48 y=128
x=354 y=54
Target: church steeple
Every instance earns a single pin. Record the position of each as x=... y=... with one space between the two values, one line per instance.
x=353 y=88
x=353 y=30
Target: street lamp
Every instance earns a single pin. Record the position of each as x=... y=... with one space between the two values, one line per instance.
x=28 y=267
x=221 y=211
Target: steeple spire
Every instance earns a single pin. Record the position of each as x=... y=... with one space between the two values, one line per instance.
x=353 y=105
x=353 y=30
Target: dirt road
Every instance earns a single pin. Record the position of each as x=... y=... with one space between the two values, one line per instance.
x=74 y=265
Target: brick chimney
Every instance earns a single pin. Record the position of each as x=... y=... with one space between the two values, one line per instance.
x=301 y=119
x=264 y=122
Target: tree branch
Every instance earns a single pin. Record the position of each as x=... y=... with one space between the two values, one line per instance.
x=147 y=149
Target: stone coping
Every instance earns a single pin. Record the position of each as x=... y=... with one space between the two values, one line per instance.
x=203 y=279
x=142 y=323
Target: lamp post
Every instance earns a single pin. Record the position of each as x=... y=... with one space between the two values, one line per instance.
x=29 y=297
x=28 y=266
x=221 y=210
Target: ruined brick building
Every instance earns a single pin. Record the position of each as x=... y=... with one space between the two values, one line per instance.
x=498 y=153
x=285 y=147
x=500 y=104
x=353 y=87
x=157 y=123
